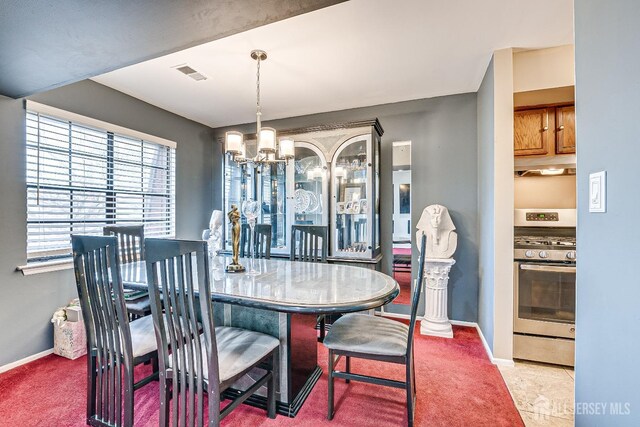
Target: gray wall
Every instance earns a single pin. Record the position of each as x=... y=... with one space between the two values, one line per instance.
x=486 y=205
x=27 y=302
x=608 y=302
x=444 y=171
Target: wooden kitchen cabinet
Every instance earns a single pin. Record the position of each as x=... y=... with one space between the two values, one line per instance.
x=531 y=131
x=566 y=130
x=544 y=130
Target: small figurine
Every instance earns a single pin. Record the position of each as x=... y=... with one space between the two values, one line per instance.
x=215 y=235
x=234 y=219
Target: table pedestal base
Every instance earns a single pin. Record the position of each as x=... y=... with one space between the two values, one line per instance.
x=298 y=370
x=435 y=321
x=282 y=408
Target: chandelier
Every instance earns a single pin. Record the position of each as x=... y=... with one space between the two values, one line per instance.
x=266 y=145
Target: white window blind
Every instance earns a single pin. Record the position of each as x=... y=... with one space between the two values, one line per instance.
x=82 y=177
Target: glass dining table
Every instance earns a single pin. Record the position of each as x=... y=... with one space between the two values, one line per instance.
x=284 y=300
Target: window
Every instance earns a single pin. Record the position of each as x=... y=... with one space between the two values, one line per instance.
x=83 y=174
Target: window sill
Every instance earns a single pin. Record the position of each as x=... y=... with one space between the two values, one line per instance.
x=45 y=266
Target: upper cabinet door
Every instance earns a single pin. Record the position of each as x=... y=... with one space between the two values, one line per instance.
x=531 y=132
x=566 y=130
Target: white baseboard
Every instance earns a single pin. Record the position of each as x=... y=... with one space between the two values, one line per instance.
x=464 y=323
x=494 y=360
x=27 y=359
x=502 y=362
x=394 y=315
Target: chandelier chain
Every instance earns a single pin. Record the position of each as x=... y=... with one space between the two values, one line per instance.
x=258 y=87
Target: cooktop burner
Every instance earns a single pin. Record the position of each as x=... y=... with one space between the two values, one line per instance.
x=544 y=241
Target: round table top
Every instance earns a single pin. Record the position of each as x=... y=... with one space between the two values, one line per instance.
x=290 y=286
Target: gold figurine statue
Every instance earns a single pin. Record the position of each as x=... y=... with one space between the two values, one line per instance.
x=234 y=219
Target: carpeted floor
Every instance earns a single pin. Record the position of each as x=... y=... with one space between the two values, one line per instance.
x=404 y=281
x=457 y=386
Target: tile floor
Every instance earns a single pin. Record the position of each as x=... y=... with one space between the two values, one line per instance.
x=542 y=393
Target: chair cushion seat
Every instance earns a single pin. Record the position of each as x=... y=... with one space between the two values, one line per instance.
x=143 y=337
x=140 y=306
x=238 y=350
x=362 y=333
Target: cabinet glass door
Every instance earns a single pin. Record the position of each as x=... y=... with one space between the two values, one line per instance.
x=266 y=184
x=352 y=207
x=238 y=186
x=272 y=189
x=310 y=185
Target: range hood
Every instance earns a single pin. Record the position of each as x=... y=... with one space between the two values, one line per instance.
x=563 y=164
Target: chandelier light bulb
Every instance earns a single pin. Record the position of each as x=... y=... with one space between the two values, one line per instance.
x=287 y=148
x=233 y=142
x=267 y=141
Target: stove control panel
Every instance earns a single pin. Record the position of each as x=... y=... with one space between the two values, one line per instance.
x=548 y=255
x=542 y=216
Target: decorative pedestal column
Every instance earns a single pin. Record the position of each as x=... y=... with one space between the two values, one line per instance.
x=435 y=321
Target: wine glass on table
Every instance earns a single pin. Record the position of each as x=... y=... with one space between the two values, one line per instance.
x=250 y=210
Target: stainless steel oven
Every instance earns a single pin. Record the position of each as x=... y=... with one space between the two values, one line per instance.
x=545 y=299
x=545 y=286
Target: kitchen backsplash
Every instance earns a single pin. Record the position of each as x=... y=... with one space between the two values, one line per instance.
x=545 y=192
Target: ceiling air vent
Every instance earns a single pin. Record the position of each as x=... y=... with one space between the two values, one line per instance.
x=188 y=71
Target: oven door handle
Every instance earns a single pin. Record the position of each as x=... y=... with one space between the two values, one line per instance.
x=549 y=268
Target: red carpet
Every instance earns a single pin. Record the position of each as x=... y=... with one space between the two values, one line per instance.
x=457 y=386
x=404 y=280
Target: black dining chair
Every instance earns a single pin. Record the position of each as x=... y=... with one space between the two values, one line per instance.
x=376 y=338
x=130 y=241
x=309 y=243
x=115 y=345
x=193 y=364
x=131 y=249
x=261 y=243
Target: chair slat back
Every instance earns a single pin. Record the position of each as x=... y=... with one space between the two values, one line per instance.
x=309 y=243
x=179 y=271
x=97 y=271
x=417 y=292
x=130 y=240
x=262 y=242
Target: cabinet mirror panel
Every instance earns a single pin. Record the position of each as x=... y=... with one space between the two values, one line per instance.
x=402 y=219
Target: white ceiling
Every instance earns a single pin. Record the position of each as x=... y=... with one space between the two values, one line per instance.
x=354 y=54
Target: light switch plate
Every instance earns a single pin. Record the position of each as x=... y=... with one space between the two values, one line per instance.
x=598 y=192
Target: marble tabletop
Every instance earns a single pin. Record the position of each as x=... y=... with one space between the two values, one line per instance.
x=286 y=286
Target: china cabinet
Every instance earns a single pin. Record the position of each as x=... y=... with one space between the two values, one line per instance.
x=334 y=180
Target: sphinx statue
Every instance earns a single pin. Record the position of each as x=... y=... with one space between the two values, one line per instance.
x=442 y=240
